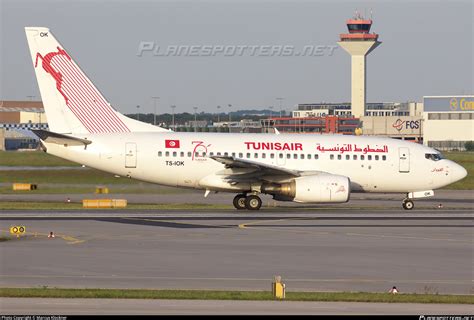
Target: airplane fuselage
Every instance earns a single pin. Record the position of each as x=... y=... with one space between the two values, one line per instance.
x=183 y=159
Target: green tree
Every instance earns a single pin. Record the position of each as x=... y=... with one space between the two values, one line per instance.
x=469 y=145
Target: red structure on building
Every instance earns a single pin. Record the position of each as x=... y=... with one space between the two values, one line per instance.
x=321 y=125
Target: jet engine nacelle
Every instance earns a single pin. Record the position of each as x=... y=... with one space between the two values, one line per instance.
x=311 y=189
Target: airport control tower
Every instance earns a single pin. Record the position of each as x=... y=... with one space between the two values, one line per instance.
x=358 y=43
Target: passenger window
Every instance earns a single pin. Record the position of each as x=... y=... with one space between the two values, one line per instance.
x=175 y=154
x=384 y=158
x=218 y=153
x=255 y=155
x=167 y=153
x=226 y=154
x=203 y=154
x=316 y=156
x=241 y=155
x=233 y=154
x=189 y=154
x=309 y=156
x=339 y=157
x=288 y=156
x=354 y=157
x=295 y=156
x=331 y=157
x=301 y=156
x=272 y=155
x=264 y=155
x=210 y=153
x=376 y=157
x=369 y=157
x=280 y=155
x=362 y=157
x=160 y=153
x=196 y=154
x=348 y=157
x=181 y=154
x=248 y=155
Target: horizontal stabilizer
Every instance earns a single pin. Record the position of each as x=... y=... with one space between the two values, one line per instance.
x=57 y=138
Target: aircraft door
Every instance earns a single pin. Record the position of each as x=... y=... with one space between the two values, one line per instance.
x=404 y=156
x=130 y=155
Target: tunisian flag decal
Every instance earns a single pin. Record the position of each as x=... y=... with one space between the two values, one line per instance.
x=171 y=143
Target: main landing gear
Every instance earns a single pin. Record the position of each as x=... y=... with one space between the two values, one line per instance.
x=408 y=204
x=249 y=202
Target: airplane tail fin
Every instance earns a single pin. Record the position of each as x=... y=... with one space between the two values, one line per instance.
x=71 y=101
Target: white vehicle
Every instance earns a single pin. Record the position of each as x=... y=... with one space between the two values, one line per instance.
x=84 y=128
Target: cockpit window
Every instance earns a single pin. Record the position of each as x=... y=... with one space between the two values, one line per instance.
x=434 y=156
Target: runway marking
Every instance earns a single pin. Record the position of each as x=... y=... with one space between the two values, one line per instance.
x=405 y=237
x=68 y=239
x=246 y=226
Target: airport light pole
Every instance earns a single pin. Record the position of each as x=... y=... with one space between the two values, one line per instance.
x=172 y=110
x=218 y=113
x=195 y=127
x=154 y=114
x=271 y=111
x=39 y=112
x=230 y=106
x=280 y=99
x=138 y=113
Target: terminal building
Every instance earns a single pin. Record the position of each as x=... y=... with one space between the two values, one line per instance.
x=448 y=121
x=305 y=110
x=17 y=118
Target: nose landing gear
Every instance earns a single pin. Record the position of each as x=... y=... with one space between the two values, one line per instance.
x=408 y=204
x=251 y=202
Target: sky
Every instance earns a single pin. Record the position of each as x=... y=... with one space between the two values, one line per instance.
x=427 y=49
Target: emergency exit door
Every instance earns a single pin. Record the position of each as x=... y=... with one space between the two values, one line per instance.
x=130 y=155
x=404 y=156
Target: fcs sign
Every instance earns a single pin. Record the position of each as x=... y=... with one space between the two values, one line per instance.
x=400 y=124
x=461 y=104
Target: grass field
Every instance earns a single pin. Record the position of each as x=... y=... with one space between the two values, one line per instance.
x=233 y=295
x=79 y=178
x=58 y=188
x=465 y=159
x=32 y=158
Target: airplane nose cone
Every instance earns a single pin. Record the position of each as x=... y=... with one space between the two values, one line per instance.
x=459 y=173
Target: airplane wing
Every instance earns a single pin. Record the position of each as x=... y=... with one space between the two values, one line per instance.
x=263 y=169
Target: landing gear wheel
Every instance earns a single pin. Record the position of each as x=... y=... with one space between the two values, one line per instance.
x=239 y=201
x=408 y=204
x=253 y=202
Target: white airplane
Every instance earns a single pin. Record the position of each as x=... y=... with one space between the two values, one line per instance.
x=86 y=129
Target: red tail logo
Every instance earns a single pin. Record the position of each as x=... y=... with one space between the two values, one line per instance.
x=49 y=69
x=81 y=97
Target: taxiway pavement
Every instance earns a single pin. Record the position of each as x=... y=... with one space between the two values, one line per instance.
x=332 y=249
